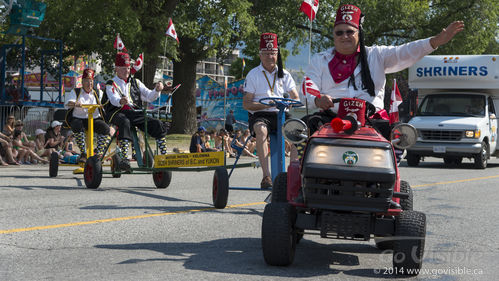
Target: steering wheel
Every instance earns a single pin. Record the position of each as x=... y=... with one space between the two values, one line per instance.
x=276 y=101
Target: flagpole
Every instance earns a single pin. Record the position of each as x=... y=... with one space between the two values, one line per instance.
x=309 y=54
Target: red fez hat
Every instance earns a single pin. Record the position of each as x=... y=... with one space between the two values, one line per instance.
x=88 y=74
x=268 y=42
x=348 y=14
x=122 y=59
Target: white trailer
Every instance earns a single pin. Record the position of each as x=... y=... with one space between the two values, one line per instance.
x=458 y=104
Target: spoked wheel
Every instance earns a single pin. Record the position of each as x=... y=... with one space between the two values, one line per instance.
x=162 y=179
x=92 y=172
x=115 y=166
x=409 y=241
x=279 y=234
x=54 y=164
x=220 y=189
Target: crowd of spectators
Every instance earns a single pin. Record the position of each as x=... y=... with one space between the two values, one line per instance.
x=16 y=148
x=203 y=141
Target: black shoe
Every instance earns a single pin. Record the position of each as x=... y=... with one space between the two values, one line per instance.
x=125 y=166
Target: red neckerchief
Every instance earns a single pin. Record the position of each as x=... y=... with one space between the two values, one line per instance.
x=342 y=66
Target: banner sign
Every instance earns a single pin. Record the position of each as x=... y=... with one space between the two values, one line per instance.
x=189 y=160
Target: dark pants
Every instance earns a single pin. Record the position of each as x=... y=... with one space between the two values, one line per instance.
x=126 y=118
x=229 y=128
x=79 y=125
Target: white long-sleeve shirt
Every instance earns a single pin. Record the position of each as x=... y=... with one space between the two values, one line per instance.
x=115 y=95
x=84 y=98
x=381 y=60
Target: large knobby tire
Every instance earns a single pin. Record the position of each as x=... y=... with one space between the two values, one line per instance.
x=115 y=164
x=280 y=188
x=386 y=243
x=220 y=188
x=409 y=241
x=482 y=157
x=406 y=204
x=92 y=172
x=54 y=164
x=162 y=179
x=278 y=234
x=412 y=159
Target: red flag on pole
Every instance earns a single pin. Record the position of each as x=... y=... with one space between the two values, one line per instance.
x=310 y=7
x=170 y=30
x=395 y=101
x=310 y=87
x=118 y=44
x=139 y=62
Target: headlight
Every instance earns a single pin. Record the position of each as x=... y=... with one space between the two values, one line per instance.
x=351 y=156
x=473 y=134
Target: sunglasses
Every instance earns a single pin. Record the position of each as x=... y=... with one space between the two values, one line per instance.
x=348 y=32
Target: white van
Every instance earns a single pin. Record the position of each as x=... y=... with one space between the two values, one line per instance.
x=458 y=104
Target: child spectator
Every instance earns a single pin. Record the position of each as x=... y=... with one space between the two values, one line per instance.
x=40 y=143
x=53 y=138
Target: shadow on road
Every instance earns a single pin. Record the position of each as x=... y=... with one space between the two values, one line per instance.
x=244 y=256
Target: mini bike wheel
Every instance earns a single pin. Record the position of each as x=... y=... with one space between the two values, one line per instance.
x=115 y=164
x=162 y=179
x=54 y=164
x=220 y=189
x=92 y=173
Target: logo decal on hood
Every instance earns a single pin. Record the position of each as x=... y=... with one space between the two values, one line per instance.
x=350 y=158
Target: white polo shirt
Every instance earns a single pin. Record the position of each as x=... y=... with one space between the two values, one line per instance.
x=84 y=98
x=124 y=88
x=259 y=82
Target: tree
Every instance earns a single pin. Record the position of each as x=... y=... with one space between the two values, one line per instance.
x=205 y=29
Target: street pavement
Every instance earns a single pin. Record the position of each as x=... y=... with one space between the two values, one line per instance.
x=57 y=229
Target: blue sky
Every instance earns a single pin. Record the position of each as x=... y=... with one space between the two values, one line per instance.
x=300 y=60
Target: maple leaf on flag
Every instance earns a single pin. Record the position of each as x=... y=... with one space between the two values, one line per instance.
x=310 y=87
x=170 y=31
x=395 y=101
x=310 y=7
x=118 y=44
x=139 y=62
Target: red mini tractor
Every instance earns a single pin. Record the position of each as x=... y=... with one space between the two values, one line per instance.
x=346 y=186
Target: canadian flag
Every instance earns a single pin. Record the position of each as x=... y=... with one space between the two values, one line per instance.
x=139 y=62
x=310 y=7
x=395 y=101
x=310 y=87
x=170 y=31
x=118 y=44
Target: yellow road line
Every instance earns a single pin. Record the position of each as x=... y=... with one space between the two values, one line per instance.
x=121 y=219
x=456 y=181
x=191 y=211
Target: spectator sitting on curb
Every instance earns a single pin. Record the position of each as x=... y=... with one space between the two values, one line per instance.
x=8 y=129
x=53 y=137
x=6 y=149
x=25 y=152
x=40 y=143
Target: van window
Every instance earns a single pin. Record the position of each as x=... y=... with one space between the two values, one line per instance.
x=452 y=105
